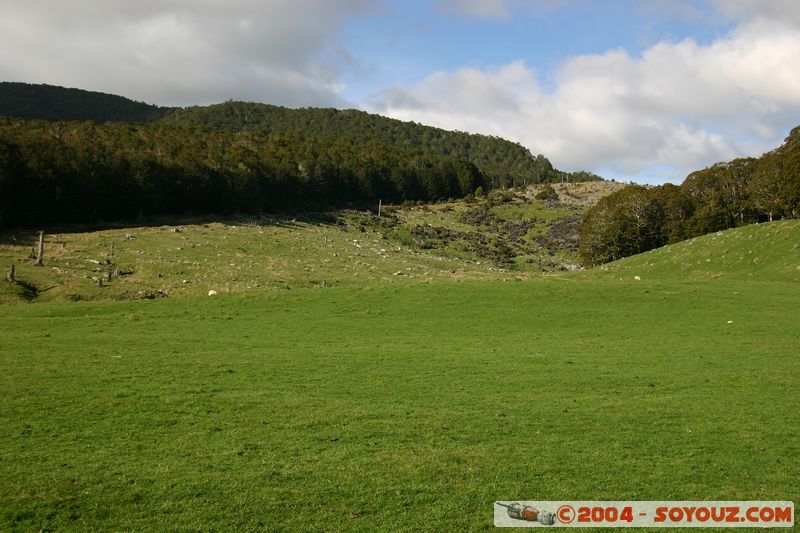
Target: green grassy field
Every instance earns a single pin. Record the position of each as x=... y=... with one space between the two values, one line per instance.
x=409 y=244
x=410 y=406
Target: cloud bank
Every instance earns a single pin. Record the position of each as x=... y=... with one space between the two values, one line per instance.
x=179 y=51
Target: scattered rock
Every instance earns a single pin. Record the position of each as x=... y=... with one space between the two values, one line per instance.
x=212 y=292
x=637 y=278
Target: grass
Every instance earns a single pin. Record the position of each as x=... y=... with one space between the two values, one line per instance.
x=536 y=210
x=394 y=403
x=397 y=408
x=225 y=257
x=758 y=252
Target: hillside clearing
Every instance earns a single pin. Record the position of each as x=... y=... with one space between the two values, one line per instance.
x=513 y=236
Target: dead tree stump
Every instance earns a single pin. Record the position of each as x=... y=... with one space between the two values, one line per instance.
x=40 y=253
x=10 y=275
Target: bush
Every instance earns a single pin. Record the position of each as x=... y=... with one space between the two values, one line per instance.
x=548 y=193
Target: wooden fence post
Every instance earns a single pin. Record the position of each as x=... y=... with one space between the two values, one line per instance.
x=40 y=253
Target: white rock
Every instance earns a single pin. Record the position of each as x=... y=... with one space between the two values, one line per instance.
x=212 y=292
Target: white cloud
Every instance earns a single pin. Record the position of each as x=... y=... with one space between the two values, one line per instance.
x=678 y=107
x=180 y=51
x=478 y=8
x=498 y=9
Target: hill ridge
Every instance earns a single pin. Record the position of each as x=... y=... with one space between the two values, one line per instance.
x=504 y=163
x=51 y=102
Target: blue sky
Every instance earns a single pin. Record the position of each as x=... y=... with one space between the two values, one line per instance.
x=402 y=42
x=645 y=90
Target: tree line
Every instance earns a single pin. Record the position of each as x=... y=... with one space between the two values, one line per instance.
x=637 y=219
x=503 y=163
x=82 y=156
x=53 y=172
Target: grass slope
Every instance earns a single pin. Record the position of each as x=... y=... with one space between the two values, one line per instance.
x=763 y=252
x=398 y=408
x=409 y=244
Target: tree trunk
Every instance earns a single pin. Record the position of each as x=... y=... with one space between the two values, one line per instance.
x=40 y=253
x=10 y=275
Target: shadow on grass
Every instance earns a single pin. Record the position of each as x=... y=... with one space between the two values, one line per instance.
x=28 y=236
x=27 y=291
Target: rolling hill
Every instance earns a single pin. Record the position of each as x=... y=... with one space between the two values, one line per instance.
x=768 y=251
x=504 y=163
x=725 y=195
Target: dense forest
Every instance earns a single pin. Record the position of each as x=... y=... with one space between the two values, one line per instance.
x=503 y=163
x=68 y=155
x=85 y=172
x=636 y=219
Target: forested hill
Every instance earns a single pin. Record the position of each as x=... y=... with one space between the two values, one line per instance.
x=49 y=102
x=53 y=172
x=74 y=156
x=502 y=162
